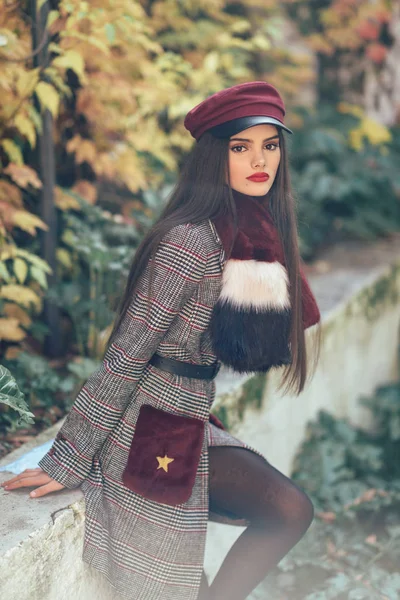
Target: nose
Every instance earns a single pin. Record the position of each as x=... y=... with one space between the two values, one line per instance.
x=258 y=161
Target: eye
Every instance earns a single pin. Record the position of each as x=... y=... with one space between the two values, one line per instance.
x=236 y=149
x=272 y=146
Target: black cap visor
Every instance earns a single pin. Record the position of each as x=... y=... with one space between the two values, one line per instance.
x=226 y=130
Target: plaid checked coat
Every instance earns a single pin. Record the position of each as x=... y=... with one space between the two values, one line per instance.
x=148 y=550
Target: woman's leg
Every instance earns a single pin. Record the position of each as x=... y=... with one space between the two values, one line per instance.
x=279 y=513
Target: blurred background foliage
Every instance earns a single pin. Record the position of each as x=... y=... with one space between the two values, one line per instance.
x=119 y=77
x=352 y=549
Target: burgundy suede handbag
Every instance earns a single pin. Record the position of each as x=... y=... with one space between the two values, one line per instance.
x=164 y=455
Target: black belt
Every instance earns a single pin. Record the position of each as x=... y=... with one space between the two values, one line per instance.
x=185 y=369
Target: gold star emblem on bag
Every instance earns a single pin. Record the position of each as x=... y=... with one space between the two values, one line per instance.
x=164 y=462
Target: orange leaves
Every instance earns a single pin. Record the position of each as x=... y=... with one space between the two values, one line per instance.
x=368 y=30
x=86 y=190
x=351 y=25
x=10 y=194
x=13 y=217
x=22 y=176
x=377 y=53
x=16 y=312
x=367 y=496
x=90 y=105
x=11 y=331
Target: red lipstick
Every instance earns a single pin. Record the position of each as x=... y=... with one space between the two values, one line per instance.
x=258 y=177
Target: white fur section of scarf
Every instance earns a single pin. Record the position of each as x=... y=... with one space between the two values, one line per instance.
x=250 y=323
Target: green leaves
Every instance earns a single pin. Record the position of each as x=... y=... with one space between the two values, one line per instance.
x=11 y=396
x=342 y=192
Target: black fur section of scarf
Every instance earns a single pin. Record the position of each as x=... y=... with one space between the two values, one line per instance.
x=250 y=323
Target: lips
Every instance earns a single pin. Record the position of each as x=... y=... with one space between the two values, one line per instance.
x=259 y=177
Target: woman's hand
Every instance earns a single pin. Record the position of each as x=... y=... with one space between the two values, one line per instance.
x=33 y=477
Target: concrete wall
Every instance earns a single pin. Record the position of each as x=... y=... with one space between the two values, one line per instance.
x=41 y=540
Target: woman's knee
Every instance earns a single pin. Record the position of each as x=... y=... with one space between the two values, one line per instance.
x=252 y=488
x=284 y=504
x=296 y=508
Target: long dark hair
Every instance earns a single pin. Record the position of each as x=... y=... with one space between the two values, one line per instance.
x=199 y=194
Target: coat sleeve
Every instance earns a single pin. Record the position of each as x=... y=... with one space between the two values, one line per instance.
x=179 y=266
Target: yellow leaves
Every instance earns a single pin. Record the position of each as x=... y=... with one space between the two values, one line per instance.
x=48 y=97
x=71 y=59
x=20 y=269
x=21 y=295
x=85 y=150
x=104 y=165
x=183 y=105
x=65 y=201
x=24 y=266
x=12 y=150
x=64 y=258
x=129 y=170
x=32 y=258
x=11 y=331
x=26 y=128
x=22 y=176
x=149 y=138
x=241 y=26
x=139 y=72
x=28 y=222
x=89 y=39
x=26 y=81
x=211 y=62
x=39 y=4
x=319 y=43
x=261 y=42
x=53 y=16
x=375 y=133
x=10 y=251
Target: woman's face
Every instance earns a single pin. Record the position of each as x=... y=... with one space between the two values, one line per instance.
x=254 y=156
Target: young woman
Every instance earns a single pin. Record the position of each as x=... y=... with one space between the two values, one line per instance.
x=217 y=280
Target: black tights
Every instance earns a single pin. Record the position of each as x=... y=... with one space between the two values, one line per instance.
x=279 y=514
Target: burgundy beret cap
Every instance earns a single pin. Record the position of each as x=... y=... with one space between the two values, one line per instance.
x=237 y=108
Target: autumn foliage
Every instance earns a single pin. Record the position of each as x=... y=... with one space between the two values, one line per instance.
x=119 y=78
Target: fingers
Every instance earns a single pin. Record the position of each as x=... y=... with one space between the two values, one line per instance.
x=31 y=478
x=52 y=486
x=24 y=475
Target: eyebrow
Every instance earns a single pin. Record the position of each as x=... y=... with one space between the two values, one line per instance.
x=247 y=140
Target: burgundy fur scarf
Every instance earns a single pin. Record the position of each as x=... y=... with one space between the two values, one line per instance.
x=250 y=323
